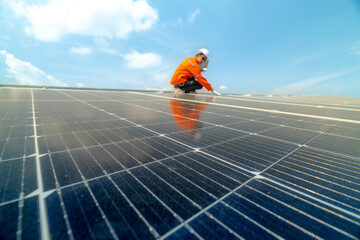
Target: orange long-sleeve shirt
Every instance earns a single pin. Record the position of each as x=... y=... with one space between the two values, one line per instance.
x=187 y=69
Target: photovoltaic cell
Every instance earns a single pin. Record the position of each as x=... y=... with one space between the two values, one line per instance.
x=294 y=135
x=81 y=164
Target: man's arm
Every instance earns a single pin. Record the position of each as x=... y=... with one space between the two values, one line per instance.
x=195 y=71
x=204 y=82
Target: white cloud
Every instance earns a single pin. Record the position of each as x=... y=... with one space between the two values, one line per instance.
x=25 y=73
x=223 y=87
x=193 y=15
x=81 y=50
x=138 y=60
x=298 y=87
x=106 y=18
x=81 y=85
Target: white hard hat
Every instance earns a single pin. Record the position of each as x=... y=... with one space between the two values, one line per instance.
x=203 y=51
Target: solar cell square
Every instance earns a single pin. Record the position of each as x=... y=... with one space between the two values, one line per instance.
x=202 y=137
x=333 y=178
x=182 y=233
x=14 y=94
x=17 y=148
x=207 y=227
x=293 y=135
x=23 y=222
x=286 y=207
x=253 y=153
x=338 y=144
x=344 y=131
x=329 y=221
x=279 y=120
x=122 y=217
x=252 y=126
x=181 y=124
x=309 y=125
x=143 y=119
x=223 y=120
x=209 y=184
x=172 y=197
x=197 y=195
x=8 y=219
x=152 y=209
x=17 y=177
x=264 y=217
x=240 y=223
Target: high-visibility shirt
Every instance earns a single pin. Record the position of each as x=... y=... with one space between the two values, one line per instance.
x=187 y=69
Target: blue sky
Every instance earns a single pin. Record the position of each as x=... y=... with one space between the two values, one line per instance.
x=267 y=46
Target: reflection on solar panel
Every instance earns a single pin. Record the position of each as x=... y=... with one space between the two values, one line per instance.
x=140 y=165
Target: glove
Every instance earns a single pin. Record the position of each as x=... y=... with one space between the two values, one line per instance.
x=215 y=92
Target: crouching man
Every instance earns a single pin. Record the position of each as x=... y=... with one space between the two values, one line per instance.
x=187 y=77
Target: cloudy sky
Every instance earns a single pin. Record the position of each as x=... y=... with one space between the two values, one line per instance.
x=266 y=46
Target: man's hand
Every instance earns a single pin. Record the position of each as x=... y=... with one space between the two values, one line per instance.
x=215 y=92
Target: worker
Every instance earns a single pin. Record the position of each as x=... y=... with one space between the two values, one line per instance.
x=187 y=76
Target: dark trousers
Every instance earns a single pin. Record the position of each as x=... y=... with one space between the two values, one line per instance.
x=190 y=85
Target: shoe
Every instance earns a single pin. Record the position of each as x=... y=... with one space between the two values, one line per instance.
x=178 y=91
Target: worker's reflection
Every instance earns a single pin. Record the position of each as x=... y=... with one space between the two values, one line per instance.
x=186 y=113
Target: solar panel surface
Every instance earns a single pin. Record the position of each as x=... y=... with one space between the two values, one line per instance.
x=78 y=164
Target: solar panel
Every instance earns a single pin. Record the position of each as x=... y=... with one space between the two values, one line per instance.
x=88 y=164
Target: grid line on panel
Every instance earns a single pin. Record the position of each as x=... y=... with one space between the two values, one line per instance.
x=278 y=216
x=302 y=212
x=337 y=144
x=203 y=167
x=253 y=221
x=350 y=164
x=338 y=218
x=231 y=232
x=17 y=136
x=343 y=131
x=44 y=225
x=285 y=172
x=290 y=153
x=328 y=200
x=176 y=215
x=298 y=166
x=151 y=229
x=317 y=205
x=188 y=180
x=21 y=202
